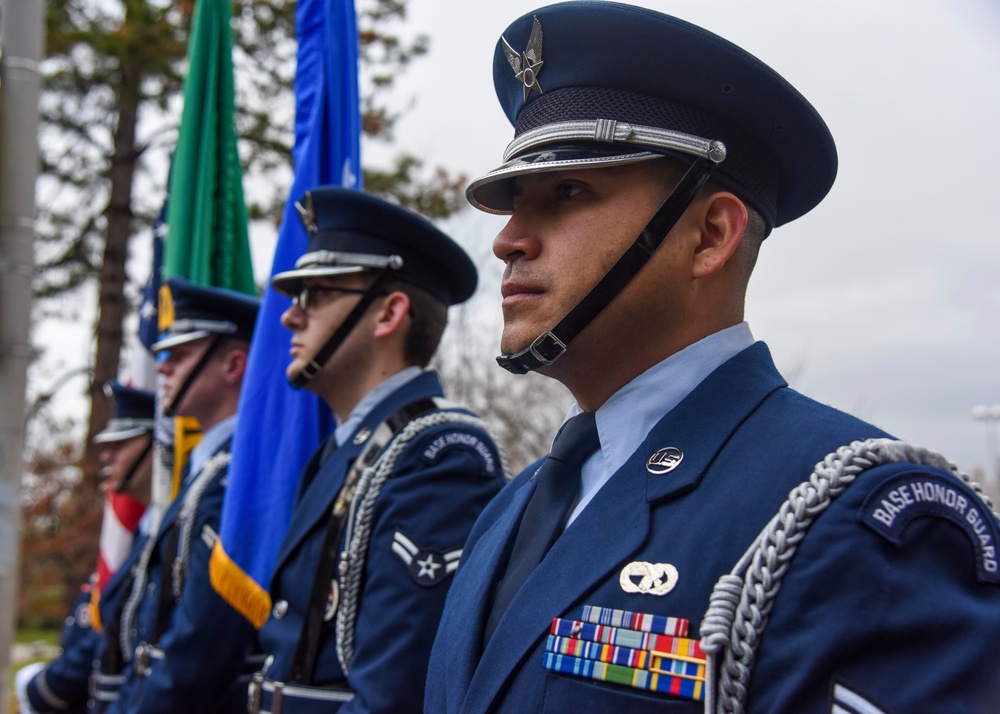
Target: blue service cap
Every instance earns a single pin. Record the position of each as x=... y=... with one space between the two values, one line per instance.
x=351 y=231
x=189 y=312
x=590 y=84
x=133 y=413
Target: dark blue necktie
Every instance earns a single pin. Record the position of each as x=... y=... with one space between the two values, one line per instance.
x=543 y=520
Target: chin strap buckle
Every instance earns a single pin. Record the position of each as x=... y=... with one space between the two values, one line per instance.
x=305 y=374
x=545 y=350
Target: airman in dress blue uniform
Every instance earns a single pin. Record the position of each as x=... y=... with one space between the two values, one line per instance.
x=187 y=645
x=701 y=537
x=64 y=684
x=386 y=503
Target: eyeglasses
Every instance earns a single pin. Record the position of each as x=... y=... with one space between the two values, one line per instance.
x=307 y=295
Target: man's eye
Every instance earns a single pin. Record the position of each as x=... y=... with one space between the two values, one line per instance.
x=568 y=190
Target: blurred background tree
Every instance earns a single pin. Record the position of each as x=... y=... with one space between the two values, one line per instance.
x=109 y=112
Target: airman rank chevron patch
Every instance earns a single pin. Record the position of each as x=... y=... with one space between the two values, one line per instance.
x=643 y=656
x=427 y=567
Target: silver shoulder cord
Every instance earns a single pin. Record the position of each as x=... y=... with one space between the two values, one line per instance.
x=127 y=633
x=191 y=501
x=361 y=515
x=742 y=600
x=188 y=515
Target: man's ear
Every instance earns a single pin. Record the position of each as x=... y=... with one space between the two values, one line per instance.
x=234 y=365
x=392 y=313
x=722 y=219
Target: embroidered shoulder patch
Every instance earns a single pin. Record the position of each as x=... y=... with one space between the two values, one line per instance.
x=903 y=498
x=461 y=439
x=426 y=567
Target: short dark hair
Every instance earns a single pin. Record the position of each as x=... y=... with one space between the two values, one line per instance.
x=756 y=229
x=428 y=316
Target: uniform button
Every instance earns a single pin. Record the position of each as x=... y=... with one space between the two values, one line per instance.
x=280 y=608
x=151 y=588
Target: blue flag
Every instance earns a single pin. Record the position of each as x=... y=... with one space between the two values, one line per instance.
x=149 y=316
x=279 y=428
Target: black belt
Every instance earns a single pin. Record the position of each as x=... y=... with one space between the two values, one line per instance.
x=269 y=697
x=104 y=689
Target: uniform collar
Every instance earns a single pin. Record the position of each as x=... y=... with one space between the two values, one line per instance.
x=372 y=399
x=213 y=439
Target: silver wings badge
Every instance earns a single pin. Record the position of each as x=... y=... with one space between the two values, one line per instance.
x=307 y=214
x=528 y=65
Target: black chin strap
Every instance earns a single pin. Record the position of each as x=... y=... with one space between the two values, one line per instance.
x=549 y=346
x=123 y=486
x=315 y=365
x=169 y=410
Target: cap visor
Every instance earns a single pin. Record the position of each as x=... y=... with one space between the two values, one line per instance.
x=180 y=339
x=494 y=192
x=289 y=283
x=111 y=435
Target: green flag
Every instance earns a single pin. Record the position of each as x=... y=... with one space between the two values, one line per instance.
x=207 y=240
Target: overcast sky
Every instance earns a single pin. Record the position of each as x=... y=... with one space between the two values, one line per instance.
x=884 y=300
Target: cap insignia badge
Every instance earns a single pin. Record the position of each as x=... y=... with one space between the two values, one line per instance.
x=528 y=64
x=653 y=578
x=307 y=214
x=165 y=315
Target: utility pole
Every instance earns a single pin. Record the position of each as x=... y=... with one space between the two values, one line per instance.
x=20 y=87
x=991 y=416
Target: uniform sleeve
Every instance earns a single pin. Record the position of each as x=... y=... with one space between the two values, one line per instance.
x=422 y=519
x=206 y=640
x=63 y=685
x=891 y=604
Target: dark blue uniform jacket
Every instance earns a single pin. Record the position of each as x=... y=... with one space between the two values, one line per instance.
x=112 y=600
x=908 y=626
x=205 y=641
x=63 y=685
x=441 y=482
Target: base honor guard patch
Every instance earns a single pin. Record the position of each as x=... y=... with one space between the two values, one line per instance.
x=648 y=652
x=907 y=497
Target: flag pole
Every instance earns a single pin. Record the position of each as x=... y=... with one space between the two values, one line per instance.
x=20 y=87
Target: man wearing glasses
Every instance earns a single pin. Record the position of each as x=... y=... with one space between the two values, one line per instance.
x=384 y=506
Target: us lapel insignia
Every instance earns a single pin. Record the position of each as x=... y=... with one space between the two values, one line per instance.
x=665 y=460
x=648 y=578
x=527 y=65
x=362 y=435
